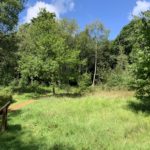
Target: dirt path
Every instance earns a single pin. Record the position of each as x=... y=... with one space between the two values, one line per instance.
x=15 y=107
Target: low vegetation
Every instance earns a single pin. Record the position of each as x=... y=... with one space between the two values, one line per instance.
x=5 y=96
x=102 y=120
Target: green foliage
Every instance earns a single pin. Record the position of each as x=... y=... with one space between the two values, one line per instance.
x=141 y=57
x=119 y=80
x=56 y=53
x=98 y=35
x=9 y=12
x=5 y=96
x=120 y=77
x=84 y=81
x=8 y=58
x=44 y=53
x=126 y=39
x=96 y=53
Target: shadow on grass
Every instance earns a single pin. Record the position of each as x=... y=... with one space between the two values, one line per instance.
x=61 y=95
x=61 y=147
x=18 y=138
x=69 y=95
x=58 y=95
x=29 y=89
x=142 y=105
x=32 y=92
x=11 y=139
x=37 y=95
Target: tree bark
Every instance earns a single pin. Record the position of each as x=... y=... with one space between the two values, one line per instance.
x=95 y=67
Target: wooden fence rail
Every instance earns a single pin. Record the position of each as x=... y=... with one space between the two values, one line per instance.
x=3 y=113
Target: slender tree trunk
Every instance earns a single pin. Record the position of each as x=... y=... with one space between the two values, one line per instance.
x=54 y=90
x=95 y=68
x=53 y=84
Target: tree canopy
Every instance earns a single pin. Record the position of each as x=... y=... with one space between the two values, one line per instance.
x=56 y=52
x=9 y=11
x=141 y=56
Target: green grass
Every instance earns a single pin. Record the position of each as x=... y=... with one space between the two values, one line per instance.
x=102 y=121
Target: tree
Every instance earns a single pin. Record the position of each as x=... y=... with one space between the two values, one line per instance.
x=9 y=11
x=141 y=57
x=126 y=39
x=123 y=49
x=98 y=34
x=8 y=58
x=44 y=53
x=68 y=30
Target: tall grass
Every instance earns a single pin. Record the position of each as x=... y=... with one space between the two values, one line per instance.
x=94 y=122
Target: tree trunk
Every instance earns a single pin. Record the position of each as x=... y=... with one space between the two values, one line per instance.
x=53 y=84
x=54 y=90
x=95 y=68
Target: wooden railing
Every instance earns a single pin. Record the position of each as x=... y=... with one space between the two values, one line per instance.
x=3 y=114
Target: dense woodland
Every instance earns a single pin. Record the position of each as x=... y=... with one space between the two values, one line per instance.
x=57 y=53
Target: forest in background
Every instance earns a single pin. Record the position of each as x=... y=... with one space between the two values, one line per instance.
x=48 y=52
x=71 y=88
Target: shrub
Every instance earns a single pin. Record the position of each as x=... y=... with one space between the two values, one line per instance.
x=5 y=96
x=119 y=80
x=84 y=82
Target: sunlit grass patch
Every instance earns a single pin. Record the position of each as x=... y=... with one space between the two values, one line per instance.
x=87 y=122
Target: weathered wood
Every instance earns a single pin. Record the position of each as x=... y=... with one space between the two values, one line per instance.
x=4 y=120
x=3 y=112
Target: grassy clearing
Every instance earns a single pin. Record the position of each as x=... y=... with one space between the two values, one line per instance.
x=103 y=120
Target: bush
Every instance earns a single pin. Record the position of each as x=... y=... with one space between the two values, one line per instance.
x=19 y=86
x=84 y=82
x=119 y=80
x=5 y=96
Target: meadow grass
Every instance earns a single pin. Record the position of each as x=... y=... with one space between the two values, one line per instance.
x=97 y=121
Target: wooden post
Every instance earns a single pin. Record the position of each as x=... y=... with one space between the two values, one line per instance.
x=4 y=120
x=3 y=112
